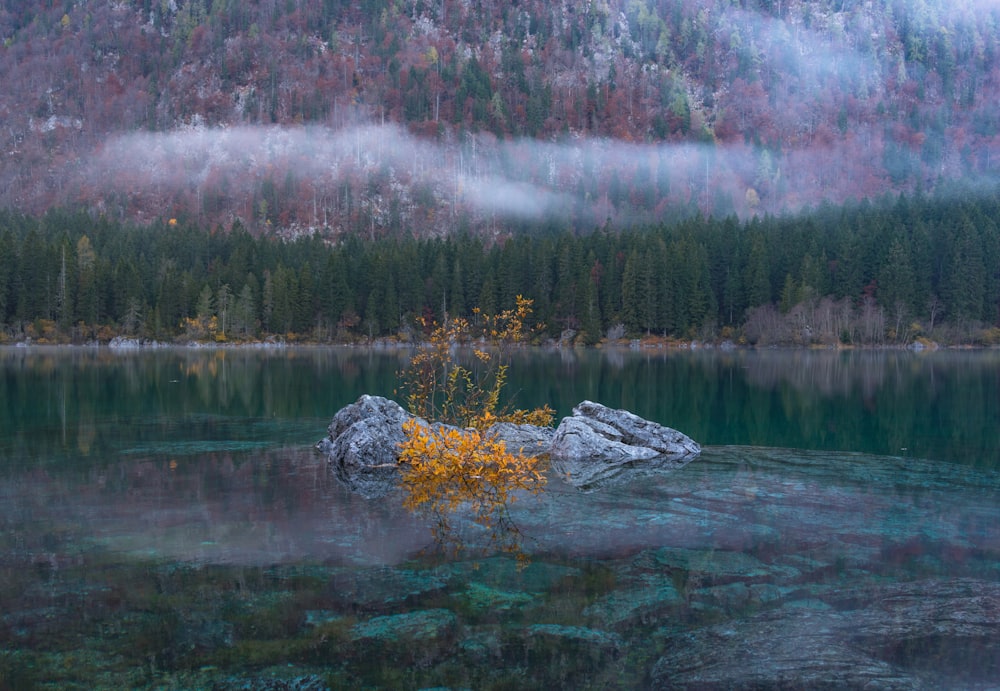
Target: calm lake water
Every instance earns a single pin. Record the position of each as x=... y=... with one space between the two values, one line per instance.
x=165 y=522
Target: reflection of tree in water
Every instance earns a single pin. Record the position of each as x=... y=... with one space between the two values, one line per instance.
x=827 y=373
x=615 y=358
x=863 y=371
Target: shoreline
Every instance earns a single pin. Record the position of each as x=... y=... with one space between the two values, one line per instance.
x=636 y=345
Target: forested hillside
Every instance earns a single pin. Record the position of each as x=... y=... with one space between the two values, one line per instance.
x=917 y=268
x=423 y=118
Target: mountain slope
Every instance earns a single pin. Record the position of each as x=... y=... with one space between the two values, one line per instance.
x=420 y=117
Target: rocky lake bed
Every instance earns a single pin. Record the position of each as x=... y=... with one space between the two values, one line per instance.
x=210 y=551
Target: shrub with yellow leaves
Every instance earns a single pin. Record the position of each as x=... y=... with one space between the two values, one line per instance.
x=441 y=390
x=445 y=468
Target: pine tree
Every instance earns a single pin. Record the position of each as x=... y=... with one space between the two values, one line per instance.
x=87 y=295
x=224 y=308
x=895 y=281
x=64 y=308
x=632 y=299
x=8 y=270
x=267 y=302
x=757 y=278
x=964 y=281
x=244 y=313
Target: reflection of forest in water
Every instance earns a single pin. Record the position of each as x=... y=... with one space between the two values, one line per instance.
x=76 y=400
x=867 y=372
x=167 y=507
x=939 y=405
x=73 y=402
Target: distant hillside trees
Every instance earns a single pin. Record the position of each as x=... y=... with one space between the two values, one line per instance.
x=862 y=274
x=786 y=103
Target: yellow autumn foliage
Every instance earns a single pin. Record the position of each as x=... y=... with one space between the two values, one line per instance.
x=445 y=468
x=441 y=390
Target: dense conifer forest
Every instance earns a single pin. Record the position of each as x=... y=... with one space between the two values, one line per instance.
x=903 y=270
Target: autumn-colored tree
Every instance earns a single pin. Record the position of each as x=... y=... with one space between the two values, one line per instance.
x=440 y=389
x=446 y=466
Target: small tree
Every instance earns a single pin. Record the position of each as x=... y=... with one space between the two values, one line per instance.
x=448 y=467
x=439 y=389
x=204 y=324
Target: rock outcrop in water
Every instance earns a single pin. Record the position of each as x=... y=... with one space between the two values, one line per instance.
x=363 y=444
x=593 y=445
x=598 y=442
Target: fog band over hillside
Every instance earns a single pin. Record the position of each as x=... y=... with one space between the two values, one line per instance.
x=383 y=166
x=597 y=179
x=825 y=107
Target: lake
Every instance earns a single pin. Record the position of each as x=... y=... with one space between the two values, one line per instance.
x=165 y=523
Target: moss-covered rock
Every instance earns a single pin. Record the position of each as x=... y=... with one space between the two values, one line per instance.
x=411 y=639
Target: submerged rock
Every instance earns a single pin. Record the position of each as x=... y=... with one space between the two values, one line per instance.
x=923 y=634
x=410 y=639
x=310 y=682
x=593 y=474
x=378 y=588
x=593 y=445
x=421 y=625
x=558 y=637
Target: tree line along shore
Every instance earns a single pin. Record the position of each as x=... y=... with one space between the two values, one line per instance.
x=900 y=271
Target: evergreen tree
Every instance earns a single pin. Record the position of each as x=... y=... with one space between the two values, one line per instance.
x=33 y=283
x=895 y=282
x=87 y=292
x=64 y=306
x=304 y=310
x=170 y=304
x=244 y=313
x=757 y=276
x=633 y=300
x=964 y=282
x=205 y=308
x=267 y=302
x=8 y=270
x=224 y=308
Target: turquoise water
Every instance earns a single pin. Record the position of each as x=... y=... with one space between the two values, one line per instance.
x=166 y=523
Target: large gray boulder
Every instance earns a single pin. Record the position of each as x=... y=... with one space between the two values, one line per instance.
x=363 y=444
x=367 y=410
x=582 y=440
x=598 y=442
x=596 y=432
x=530 y=440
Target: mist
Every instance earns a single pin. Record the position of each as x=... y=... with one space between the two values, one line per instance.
x=520 y=179
x=782 y=153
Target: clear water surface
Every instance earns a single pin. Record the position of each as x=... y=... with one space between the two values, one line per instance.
x=166 y=523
